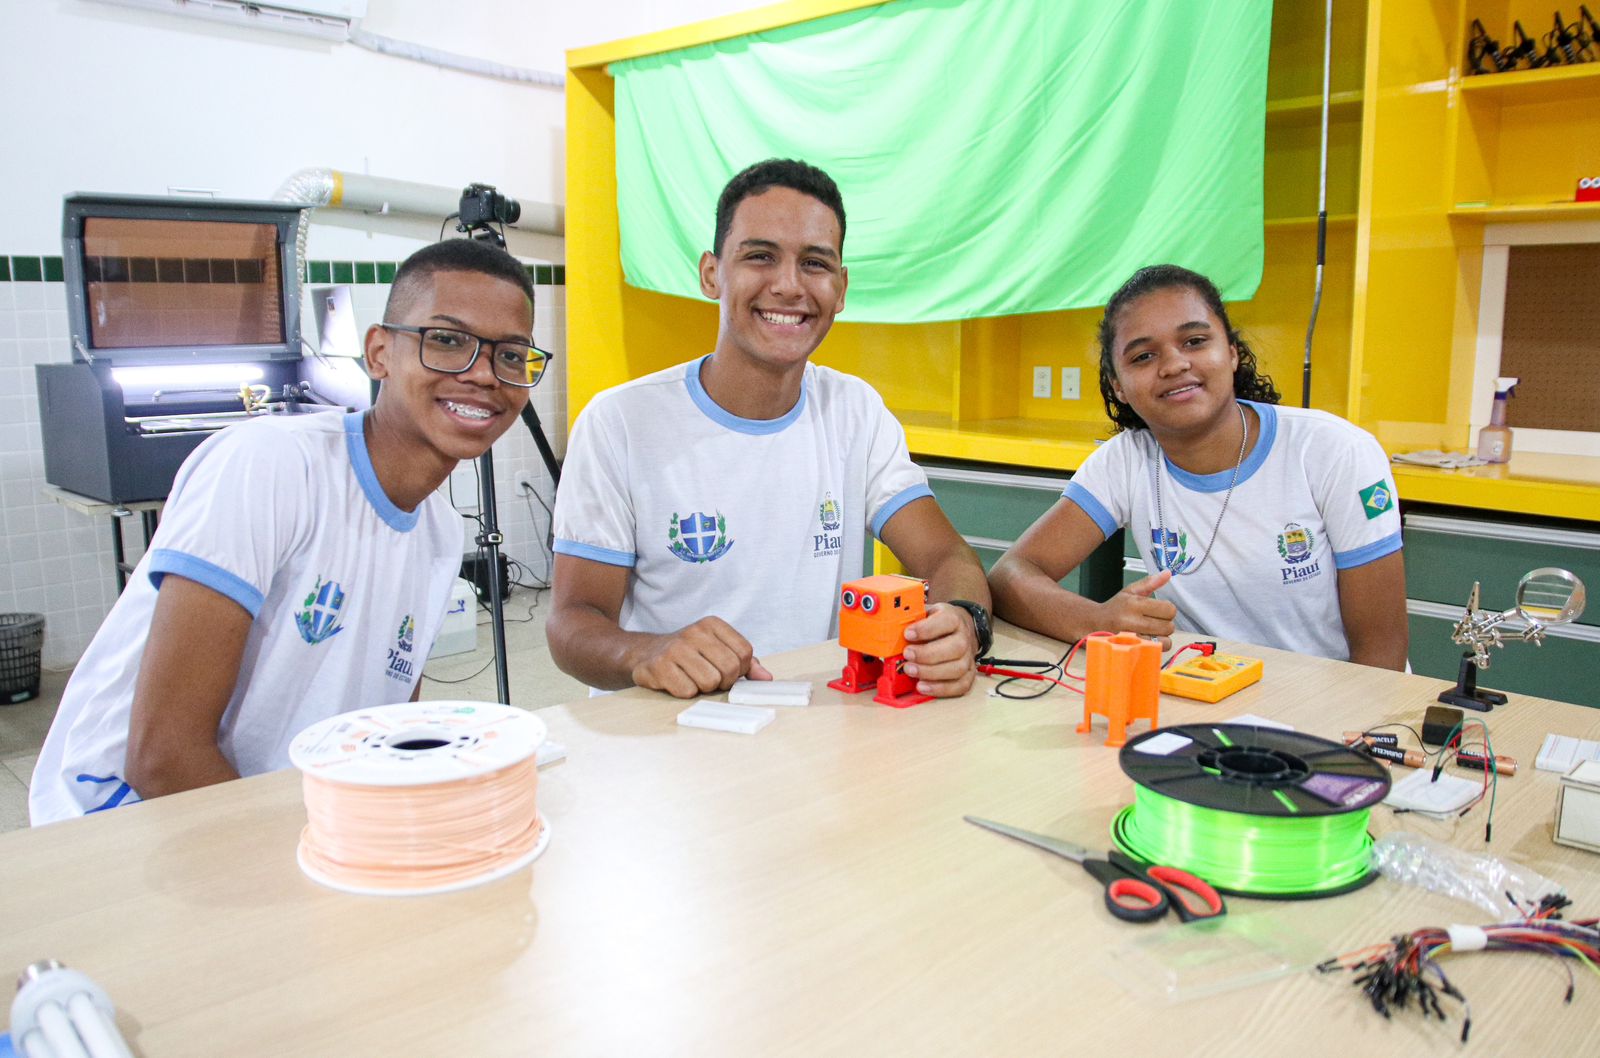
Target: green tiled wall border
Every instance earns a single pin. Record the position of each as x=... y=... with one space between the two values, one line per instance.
x=29 y=268
x=361 y=273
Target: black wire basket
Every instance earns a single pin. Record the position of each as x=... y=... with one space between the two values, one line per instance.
x=21 y=642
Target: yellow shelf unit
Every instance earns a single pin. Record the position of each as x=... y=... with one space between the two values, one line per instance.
x=962 y=388
x=1443 y=155
x=1523 y=139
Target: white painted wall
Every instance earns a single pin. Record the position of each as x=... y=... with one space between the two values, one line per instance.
x=105 y=98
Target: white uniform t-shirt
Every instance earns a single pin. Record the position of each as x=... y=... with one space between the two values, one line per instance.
x=1313 y=497
x=285 y=516
x=758 y=522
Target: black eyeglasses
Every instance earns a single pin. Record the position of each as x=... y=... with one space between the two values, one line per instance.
x=453 y=352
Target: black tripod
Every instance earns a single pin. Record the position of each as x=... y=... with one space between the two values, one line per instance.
x=490 y=538
x=481 y=209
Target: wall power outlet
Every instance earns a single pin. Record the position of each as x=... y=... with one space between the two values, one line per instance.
x=1069 y=384
x=1041 y=382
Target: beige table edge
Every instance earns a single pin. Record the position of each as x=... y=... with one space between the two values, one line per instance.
x=809 y=890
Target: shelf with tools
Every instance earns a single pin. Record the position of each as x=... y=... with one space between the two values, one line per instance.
x=1520 y=141
x=1451 y=162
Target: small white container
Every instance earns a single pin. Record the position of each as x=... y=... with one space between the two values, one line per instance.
x=1578 y=808
x=459 y=633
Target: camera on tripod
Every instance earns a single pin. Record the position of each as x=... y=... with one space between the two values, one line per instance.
x=482 y=207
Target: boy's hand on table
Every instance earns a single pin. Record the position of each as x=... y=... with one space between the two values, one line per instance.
x=702 y=658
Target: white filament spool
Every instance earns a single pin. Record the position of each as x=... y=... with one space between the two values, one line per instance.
x=411 y=760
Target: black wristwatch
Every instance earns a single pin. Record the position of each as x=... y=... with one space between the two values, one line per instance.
x=980 y=624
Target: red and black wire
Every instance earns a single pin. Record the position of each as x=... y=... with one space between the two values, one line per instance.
x=1054 y=673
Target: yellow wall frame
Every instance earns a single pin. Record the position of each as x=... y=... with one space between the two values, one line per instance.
x=1394 y=337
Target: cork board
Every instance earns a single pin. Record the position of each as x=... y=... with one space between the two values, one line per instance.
x=1551 y=336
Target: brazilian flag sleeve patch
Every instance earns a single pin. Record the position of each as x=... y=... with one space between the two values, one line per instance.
x=1377 y=498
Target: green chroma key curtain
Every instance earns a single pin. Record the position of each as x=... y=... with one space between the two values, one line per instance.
x=996 y=156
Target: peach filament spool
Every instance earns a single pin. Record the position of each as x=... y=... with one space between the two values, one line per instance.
x=420 y=797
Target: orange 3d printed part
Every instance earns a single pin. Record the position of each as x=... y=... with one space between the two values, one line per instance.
x=1122 y=682
x=1211 y=679
x=874 y=613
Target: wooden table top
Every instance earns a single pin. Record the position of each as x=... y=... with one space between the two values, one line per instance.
x=808 y=890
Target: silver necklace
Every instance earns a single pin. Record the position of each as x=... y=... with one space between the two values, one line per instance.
x=1161 y=518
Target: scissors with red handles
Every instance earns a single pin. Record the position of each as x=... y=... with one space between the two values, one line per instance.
x=1134 y=892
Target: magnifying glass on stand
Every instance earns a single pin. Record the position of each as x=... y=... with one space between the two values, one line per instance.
x=1545 y=597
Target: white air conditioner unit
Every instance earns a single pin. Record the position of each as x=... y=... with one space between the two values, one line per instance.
x=326 y=19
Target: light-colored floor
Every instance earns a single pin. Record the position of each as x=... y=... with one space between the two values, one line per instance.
x=533 y=678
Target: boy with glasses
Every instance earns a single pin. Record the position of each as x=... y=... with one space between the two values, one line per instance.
x=303 y=562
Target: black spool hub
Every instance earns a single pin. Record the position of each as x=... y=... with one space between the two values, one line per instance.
x=1255 y=764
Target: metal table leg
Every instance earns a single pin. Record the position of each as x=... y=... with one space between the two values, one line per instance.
x=119 y=561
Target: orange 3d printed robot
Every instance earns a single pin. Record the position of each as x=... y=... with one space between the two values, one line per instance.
x=874 y=613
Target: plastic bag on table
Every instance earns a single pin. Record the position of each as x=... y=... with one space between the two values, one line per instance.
x=1491 y=883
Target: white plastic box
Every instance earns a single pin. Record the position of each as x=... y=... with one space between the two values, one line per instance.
x=1578 y=808
x=459 y=633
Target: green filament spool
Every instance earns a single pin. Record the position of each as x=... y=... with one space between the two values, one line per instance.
x=1254 y=811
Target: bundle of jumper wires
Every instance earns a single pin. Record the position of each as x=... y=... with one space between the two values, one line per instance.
x=1406 y=969
x=1010 y=668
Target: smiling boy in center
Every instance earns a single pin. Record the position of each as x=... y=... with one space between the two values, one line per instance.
x=710 y=513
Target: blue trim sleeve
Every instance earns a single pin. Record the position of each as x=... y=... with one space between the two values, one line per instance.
x=1368 y=553
x=1091 y=506
x=595 y=554
x=892 y=507
x=219 y=580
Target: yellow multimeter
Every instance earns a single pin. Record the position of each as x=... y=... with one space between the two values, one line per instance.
x=1211 y=678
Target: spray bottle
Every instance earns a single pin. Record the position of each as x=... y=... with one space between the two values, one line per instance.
x=1494 y=440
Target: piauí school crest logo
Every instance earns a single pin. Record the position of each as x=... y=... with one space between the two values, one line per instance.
x=832 y=517
x=698 y=537
x=830 y=541
x=400 y=665
x=1295 y=543
x=319 y=617
x=1376 y=498
x=1171 y=549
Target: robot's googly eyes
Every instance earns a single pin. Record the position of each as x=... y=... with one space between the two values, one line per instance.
x=849 y=599
x=869 y=603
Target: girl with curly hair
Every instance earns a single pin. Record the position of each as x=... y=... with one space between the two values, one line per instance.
x=1269 y=525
